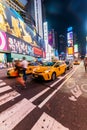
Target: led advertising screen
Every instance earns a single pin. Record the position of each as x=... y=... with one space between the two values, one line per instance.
x=18 y=46
x=75 y=48
x=70 y=50
x=69 y=29
x=37 y=51
x=70 y=43
x=70 y=35
x=3 y=45
x=70 y=39
x=50 y=38
x=13 y=23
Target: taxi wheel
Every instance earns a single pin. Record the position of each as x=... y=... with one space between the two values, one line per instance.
x=53 y=76
x=64 y=71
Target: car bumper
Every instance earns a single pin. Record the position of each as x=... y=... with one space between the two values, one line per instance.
x=42 y=76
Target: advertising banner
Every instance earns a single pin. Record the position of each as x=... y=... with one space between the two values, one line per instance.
x=18 y=46
x=75 y=48
x=3 y=45
x=70 y=50
x=12 y=23
x=37 y=51
x=50 y=38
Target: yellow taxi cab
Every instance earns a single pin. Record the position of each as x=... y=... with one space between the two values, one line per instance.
x=12 y=72
x=49 y=70
x=76 y=62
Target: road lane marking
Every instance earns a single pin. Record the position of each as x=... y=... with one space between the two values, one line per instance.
x=52 y=85
x=9 y=96
x=2 y=84
x=76 y=91
x=15 y=114
x=84 y=87
x=52 y=94
x=45 y=90
x=5 y=88
x=47 y=122
x=39 y=94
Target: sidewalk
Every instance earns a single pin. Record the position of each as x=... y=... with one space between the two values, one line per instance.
x=78 y=83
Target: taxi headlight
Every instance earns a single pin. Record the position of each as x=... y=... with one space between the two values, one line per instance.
x=34 y=69
x=47 y=71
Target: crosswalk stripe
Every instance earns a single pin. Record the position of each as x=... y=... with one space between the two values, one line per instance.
x=15 y=114
x=47 y=122
x=9 y=96
x=3 y=83
x=5 y=88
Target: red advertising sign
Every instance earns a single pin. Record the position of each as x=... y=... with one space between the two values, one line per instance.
x=37 y=51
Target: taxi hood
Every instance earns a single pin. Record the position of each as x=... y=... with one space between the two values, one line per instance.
x=42 y=68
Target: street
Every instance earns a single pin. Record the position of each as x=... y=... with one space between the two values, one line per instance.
x=45 y=105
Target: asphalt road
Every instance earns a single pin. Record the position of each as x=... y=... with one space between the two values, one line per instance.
x=51 y=105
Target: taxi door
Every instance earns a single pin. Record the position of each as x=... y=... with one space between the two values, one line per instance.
x=57 y=69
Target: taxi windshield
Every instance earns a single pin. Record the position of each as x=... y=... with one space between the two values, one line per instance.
x=48 y=63
x=33 y=64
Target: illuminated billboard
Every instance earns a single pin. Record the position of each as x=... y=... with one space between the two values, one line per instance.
x=12 y=23
x=50 y=38
x=70 y=39
x=3 y=45
x=70 y=35
x=75 y=48
x=70 y=50
x=18 y=46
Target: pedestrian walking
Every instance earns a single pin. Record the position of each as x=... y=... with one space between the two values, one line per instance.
x=20 y=79
x=85 y=63
x=24 y=64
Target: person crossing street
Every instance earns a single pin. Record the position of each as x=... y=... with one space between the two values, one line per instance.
x=24 y=64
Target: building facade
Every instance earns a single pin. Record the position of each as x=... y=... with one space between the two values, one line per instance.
x=17 y=38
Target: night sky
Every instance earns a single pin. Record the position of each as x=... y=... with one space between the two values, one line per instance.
x=61 y=14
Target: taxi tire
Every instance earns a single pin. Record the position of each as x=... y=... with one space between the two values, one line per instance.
x=53 y=77
x=65 y=71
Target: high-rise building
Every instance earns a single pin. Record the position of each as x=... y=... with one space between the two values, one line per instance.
x=62 y=44
x=34 y=7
